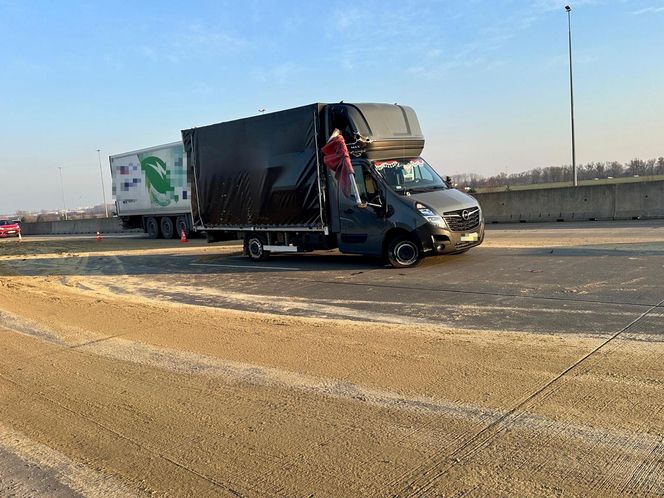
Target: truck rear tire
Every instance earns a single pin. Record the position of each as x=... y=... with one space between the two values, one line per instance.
x=152 y=227
x=254 y=247
x=167 y=227
x=402 y=252
x=181 y=223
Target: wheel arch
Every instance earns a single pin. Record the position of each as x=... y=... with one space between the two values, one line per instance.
x=400 y=232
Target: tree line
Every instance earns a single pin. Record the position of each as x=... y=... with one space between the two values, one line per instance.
x=552 y=174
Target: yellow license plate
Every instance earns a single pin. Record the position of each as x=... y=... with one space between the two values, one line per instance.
x=470 y=237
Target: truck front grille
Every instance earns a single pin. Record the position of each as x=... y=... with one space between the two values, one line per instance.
x=457 y=223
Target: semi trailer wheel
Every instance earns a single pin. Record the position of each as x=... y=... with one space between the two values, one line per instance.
x=152 y=227
x=181 y=223
x=254 y=247
x=402 y=252
x=167 y=227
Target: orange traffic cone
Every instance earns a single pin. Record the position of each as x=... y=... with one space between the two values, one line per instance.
x=98 y=237
x=183 y=236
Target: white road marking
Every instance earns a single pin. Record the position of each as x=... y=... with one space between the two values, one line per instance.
x=247 y=266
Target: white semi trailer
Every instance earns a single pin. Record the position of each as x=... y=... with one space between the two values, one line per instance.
x=152 y=191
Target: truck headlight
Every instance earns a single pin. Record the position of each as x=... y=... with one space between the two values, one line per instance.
x=431 y=216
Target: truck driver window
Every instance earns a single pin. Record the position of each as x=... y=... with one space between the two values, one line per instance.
x=373 y=196
x=367 y=186
x=370 y=184
x=361 y=185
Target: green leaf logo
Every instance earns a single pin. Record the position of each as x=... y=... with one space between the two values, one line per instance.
x=157 y=180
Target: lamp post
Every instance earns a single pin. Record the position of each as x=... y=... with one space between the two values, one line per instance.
x=101 y=175
x=568 y=9
x=62 y=186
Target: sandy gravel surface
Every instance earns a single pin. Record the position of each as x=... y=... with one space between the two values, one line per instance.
x=83 y=247
x=107 y=394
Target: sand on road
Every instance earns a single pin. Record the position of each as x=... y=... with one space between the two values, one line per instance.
x=114 y=395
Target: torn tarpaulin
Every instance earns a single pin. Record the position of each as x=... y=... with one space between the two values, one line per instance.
x=336 y=158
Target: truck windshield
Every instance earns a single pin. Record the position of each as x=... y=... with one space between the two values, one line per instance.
x=409 y=175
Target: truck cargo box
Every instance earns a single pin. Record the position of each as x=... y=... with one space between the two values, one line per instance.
x=151 y=181
x=259 y=171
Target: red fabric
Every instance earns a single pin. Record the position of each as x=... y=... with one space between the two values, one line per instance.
x=336 y=158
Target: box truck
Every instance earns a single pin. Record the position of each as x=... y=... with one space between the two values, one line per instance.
x=152 y=190
x=273 y=181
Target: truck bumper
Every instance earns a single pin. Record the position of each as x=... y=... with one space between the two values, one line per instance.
x=435 y=240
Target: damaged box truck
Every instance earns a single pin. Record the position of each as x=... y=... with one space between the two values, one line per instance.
x=324 y=176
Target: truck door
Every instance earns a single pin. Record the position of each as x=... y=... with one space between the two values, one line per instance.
x=362 y=228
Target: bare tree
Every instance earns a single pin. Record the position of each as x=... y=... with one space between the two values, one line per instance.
x=636 y=167
x=650 y=167
x=659 y=168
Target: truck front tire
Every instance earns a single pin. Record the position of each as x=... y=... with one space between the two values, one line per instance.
x=254 y=246
x=402 y=252
x=152 y=227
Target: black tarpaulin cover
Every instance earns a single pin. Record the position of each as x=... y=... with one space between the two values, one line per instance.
x=256 y=171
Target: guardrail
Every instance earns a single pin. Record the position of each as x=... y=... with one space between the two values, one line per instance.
x=92 y=225
x=619 y=201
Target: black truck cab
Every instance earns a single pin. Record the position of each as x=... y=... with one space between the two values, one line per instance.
x=405 y=209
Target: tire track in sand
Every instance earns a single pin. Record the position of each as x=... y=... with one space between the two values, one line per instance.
x=118 y=348
x=52 y=473
x=422 y=479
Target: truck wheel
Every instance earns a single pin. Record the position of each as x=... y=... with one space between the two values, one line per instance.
x=152 y=227
x=181 y=223
x=167 y=227
x=402 y=252
x=253 y=246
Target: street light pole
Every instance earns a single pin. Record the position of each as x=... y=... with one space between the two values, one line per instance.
x=101 y=174
x=571 y=91
x=62 y=186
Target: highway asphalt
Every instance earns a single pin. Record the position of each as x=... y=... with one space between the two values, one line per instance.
x=591 y=278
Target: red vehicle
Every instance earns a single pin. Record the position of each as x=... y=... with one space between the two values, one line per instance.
x=9 y=228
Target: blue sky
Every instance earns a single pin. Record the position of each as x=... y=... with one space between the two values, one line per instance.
x=488 y=78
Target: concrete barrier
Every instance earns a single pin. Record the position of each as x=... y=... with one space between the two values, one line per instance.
x=93 y=225
x=619 y=201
